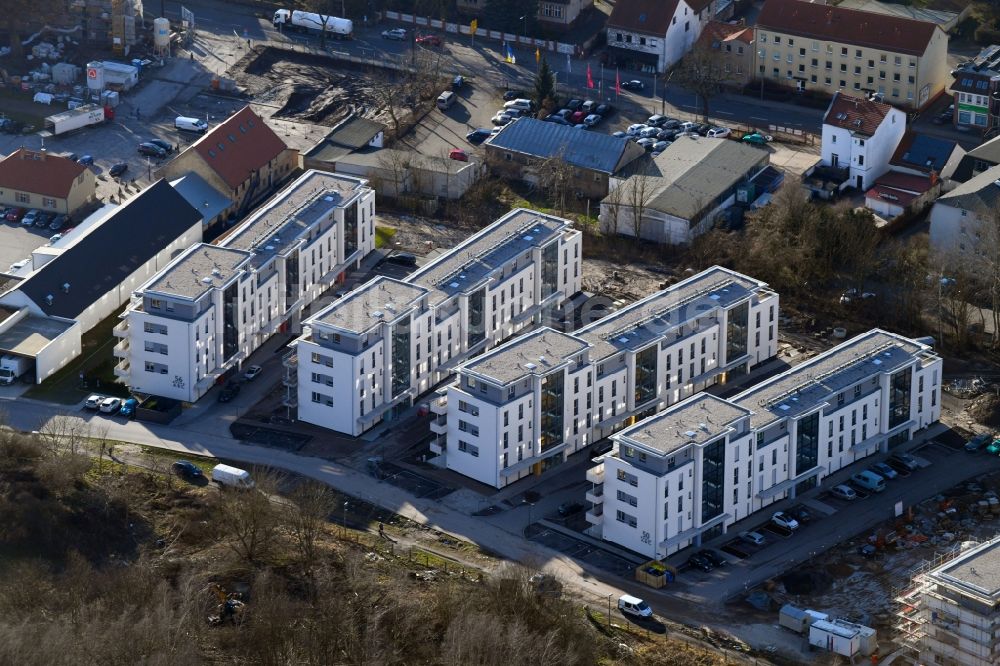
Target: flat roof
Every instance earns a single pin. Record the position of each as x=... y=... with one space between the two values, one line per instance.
x=203 y=197
x=380 y=299
x=975 y=572
x=473 y=260
x=699 y=419
x=644 y=321
x=810 y=384
x=533 y=354
x=278 y=223
x=31 y=335
x=198 y=270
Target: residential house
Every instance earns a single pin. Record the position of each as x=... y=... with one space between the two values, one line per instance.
x=85 y=279
x=826 y=48
x=394 y=173
x=39 y=179
x=978 y=160
x=923 y=155
x=241 y=158
x=860 y=135
x=690 y=472
x=895 y=193
x=366 y=357
x=735 y=50
x=525 y=148
x=976 y=91
x=681 y=193
x=526 y=406
x=203 y=315
x=962 y=218
x=551 y=14
x=652 y=35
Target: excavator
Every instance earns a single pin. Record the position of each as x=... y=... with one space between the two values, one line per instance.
x=230 y=607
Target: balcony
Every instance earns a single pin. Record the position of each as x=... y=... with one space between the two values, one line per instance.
x=121 y=329
x=439 y=426
x=438 y=445
x=122 y=370
x=596 y=515
x=120 y=350
x=290 y=361
x=439 y=405
x=291 y=401
x=595 y=474
x=596 y=494
x=290 y=380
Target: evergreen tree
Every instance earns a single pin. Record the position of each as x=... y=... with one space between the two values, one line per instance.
x=545 y=83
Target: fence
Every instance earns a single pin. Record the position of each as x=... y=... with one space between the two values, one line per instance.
x=483 y=33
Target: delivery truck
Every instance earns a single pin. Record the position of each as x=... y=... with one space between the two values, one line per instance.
x=12 y=367
x=311 y=22
x=74 y=119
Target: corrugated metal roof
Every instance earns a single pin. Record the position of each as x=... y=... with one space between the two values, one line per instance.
x=581 y=148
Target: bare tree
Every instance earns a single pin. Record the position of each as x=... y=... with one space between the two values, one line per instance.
x=313 y=504
x=987 y=259
x=389 y=94
x=555 y=177
x=611 y=208
x=638 y=194
x=701 y=71
x=250 y=519
x=397 y=163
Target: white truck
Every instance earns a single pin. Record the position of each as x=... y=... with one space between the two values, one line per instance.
x=311 y=22
x=12 y=367
x=74 y=119
x=232 y=477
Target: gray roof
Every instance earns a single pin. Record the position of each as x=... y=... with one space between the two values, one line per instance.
x=471 y=262
x=811 y=384
x=379 y=300
x=355 y=132
x=200 y=269
x=697 y=420
x=988 y=152
x=642 y=322
x=537 y=353
x=203 y=197
x=382 y=159
x=980 y=194
x=687 y=177
x=975 y=572
x=30 y=335
x=588 y=150
x=280 y=221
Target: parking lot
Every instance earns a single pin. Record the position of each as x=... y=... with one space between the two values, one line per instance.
x=17 y=242
x=580 y=550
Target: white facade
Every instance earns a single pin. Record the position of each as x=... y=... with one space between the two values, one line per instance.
x=963 y=219
x=498 y=282
x=866 y=156
x=785 y=435
x=214 y=305
x=628 y=365
x=668 y=48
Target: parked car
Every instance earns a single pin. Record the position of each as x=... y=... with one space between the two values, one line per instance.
x=397 y=34
x=904 y=460
x=252 y=372
x=567 y=509
x=86 y=160
x=696 y=561
x=656 y=120
x=151 y=150
x=574 y=104
x=647 y=144
x=166 y=145
x=994 y=447
x=128 y=408
x=43 y=219
x=588 y=106
x=187 y=469
x=660 y=146
x=666 y=135
x=648 y=132
x=757 y=138
x=111 y=405
x=577 y=117
x=620 y=135
x=977 y=442
x=502 y=119
x=801 y=514
x=755 y=538
x=672 y=123
x=458 y=82
x=429 y=40
x=867 y=551
x=719 y=132
x=55 y=238
x=557 y=119
x=510 y=95
x=592 y=120
x=18 y=265
x=117 y=169
x=634 y=85
x=604 y=110
x=29 y=218
x=884 y=471
x=713 y=557
x=458 y=154
x=477 y=136
x=843 y=492
x=634 y=606
x=229 y=391
x=633 y=130
x=59 y=222
x=403 y=259
x=782 y=519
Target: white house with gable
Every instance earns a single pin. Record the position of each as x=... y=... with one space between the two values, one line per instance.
x=861 y=135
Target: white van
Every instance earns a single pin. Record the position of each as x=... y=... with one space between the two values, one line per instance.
x=190 y=124
x=869 y=481
x=519 y=104
x=232 y=477
x=634 y=606
x=446 y=99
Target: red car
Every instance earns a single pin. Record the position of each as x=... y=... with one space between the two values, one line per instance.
x=459 y=154
x=577 y=117
x=430 y=40
x=15 y=214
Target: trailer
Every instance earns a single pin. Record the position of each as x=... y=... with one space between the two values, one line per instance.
x=311 y=22
x=74 y=119
x=13 y=367
x=798 y=619
x=836 y=638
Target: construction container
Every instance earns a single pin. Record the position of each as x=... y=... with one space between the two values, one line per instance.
x=798 y=619
x=65 y=73
x=836 y=638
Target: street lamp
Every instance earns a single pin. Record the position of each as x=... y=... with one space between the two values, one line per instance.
x=609 y=608
x=530 y=506
x=525 y=19
x=345 y=519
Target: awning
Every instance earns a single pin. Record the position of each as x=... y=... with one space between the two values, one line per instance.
x=694 y=531
x=779 y=488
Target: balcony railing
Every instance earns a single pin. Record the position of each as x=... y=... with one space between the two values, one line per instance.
x=596 y=515
x=596 y=474
x=120 y=350
x=121 y=329
x=596 y=494
x=123 y=369
x=439 y=426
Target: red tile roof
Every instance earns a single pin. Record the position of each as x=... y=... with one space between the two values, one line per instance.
x=648 y=16
x=892 y=195
x=905 y=181
x=239 y=146
x=857 y=114
x=717 y=31
x=846 y=26
x=39 y=173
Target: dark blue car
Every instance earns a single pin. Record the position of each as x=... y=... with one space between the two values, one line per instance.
x=477 y=136
x=128 y=408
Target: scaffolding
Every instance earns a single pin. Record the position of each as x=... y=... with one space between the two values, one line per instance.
x=109 y=23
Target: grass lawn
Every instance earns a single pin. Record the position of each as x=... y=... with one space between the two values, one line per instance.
x=383 y=235
x=18 y=105
x=95 y=361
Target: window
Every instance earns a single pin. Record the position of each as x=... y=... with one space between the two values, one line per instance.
x=22 y=197
x=628 y=499
x=319 y=378
x=465 y=426
x=48 y=203
x=623 y=517
x=465 y=447
x=159 y=329
x=322 y=399
x=468 y=409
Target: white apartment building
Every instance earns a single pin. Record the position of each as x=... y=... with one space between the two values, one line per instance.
x=950 y=612
x=400 y=339
x=214 y=305
x=689 y=473
x=861 y=135
x=527 y=405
